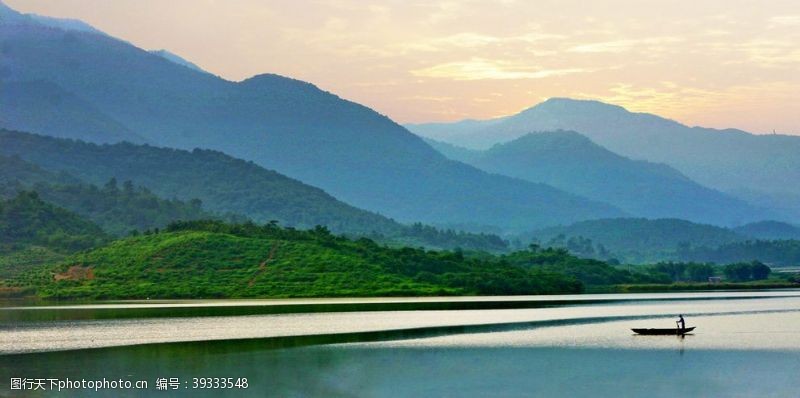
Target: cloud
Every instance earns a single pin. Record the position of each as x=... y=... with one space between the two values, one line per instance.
x=619 y=46
x=683 y=101
x=471 y=40
x=483 y=69
x=784 y=21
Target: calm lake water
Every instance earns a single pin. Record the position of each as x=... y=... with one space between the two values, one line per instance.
x=745 y=344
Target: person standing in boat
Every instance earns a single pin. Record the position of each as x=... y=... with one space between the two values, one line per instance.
x=681 y=323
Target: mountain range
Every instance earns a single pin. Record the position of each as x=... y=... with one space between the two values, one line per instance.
x=572 y=162
x=126 y=187
x=764 y=169
x=352 y=152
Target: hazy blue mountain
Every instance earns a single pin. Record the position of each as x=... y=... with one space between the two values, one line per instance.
x=347 y=149
x=572 y=162
x=455 y=152
x=45 y=108
x=14 y=172
x=769 y=230
x=169 y=56
x=784 y=203
x=634 y=240
x=9 y=15
x=728 y=160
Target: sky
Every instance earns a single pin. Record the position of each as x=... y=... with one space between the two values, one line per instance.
x=713 y=63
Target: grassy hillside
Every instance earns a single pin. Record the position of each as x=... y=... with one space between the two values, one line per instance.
x=213 y=259
x=34 y=233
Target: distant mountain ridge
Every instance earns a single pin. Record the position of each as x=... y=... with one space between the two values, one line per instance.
x=728 y=160
x=170 y=56
x=43 y=107
x=347 y=149
x=569 y=161
x=9 y=15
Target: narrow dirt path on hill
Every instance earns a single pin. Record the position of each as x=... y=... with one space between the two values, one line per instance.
x=263 y=265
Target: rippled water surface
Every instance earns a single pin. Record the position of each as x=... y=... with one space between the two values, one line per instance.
x=745 y=344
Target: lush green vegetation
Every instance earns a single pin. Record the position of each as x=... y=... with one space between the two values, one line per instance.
x=633 y=240
x=418 y=234
x=209 y=258
x=786 y=283
x=25 y=258
x=120 y=210
x=214 y=259
x=223 y=184
x=588 y=271
x=35 y=234
x=773 y=252
x=684 y=272
x=26 y=220
x=743 y=272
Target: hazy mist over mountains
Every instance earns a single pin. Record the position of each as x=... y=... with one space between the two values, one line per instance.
x=65 y=79
x=568 y=160
x=766 y=167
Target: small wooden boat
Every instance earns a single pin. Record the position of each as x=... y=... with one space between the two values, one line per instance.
x=672 y=331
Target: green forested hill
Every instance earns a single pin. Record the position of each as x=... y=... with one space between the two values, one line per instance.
x=633 y=240
x=117 y=208
x=33 y=233
x=222 y=184
x=771 y=252
x=17 y=174
x=589 y=271
x=28 y=220
x=121 y=209
x=767 y=230
x=213 y=259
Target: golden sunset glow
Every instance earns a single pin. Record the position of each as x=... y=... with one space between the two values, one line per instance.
x=712 y=63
